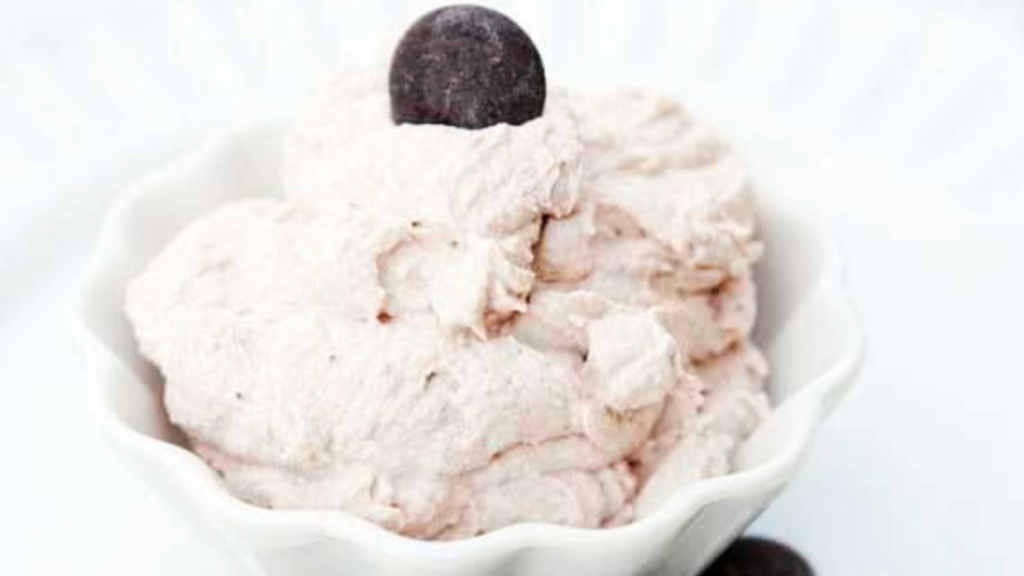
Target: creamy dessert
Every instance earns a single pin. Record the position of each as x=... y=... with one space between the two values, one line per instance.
x=451 y=325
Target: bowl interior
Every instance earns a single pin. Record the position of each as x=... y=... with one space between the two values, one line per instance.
x=803 y=320
x=799 y=325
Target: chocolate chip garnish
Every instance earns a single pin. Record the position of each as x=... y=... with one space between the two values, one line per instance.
x=758 y=557
x=466 y=66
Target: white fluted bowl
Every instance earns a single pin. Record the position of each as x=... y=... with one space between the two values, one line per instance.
x=808 y=328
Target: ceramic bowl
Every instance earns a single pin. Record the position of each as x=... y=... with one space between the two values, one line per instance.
x=807 y=326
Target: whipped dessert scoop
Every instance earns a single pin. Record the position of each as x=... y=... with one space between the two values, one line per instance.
x=448 y=329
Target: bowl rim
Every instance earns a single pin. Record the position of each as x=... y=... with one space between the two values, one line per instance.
x=814 y=400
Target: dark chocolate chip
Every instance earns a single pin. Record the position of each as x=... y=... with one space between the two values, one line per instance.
x=466 y=66
x=758 y=557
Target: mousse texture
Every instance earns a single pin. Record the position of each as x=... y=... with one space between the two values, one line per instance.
x=447 y=331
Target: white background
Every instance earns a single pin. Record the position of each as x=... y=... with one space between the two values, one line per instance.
x=901 y=121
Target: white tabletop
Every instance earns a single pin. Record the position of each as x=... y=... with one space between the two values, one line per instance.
x=899 y=120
